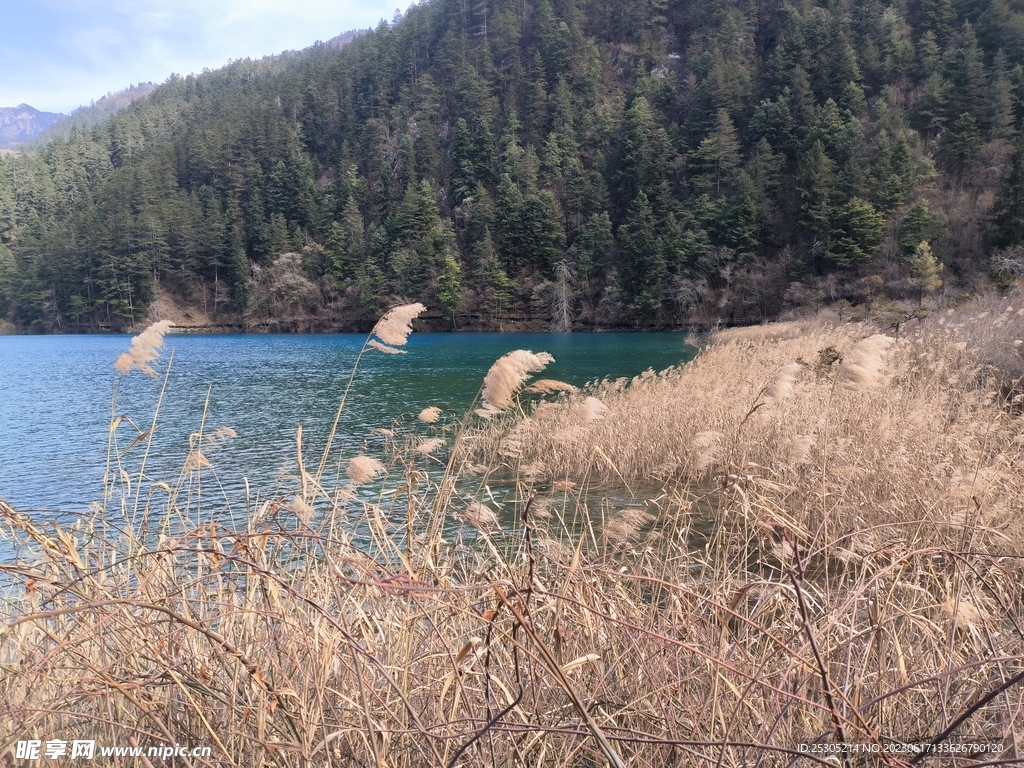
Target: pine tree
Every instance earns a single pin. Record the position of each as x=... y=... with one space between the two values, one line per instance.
x=925 y=270
x=7 y=280
x=449 y=288
x=1008 y=211
x=508 y=219
x=858 y=233
x=928 y=54
x=931 y=106
x=1000 y=112
x=502 y=287
x=635 y=171
x=336 y=253
x=594 y=241
x=463 y=174
x=543 y=233
x=816 y=184
x=960 y=146
x=479 y=216
x=644 y=269
x=717 y=158
x=963 y=68
x=919 y=224
x=937 y=17
x=773 y=122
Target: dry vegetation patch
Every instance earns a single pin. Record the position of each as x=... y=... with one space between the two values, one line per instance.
x=860 y=583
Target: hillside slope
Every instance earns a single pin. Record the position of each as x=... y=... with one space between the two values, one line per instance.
x=568 y=162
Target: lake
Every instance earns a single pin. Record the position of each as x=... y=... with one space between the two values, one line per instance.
x=55 y=400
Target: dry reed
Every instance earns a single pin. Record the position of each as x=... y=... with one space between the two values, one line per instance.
x=507 y=376
x=394 y=327
x=430 y=415
x=145 y=349
x=363 y=469
x=860 y=581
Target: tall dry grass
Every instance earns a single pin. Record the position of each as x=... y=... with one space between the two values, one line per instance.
x=859 y=584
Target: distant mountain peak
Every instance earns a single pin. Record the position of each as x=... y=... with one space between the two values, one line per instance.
x=22 y=122
x=83 y=118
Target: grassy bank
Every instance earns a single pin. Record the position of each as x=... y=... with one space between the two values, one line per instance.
x=860 y=583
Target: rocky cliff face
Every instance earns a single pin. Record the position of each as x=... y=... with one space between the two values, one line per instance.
x=22 y=122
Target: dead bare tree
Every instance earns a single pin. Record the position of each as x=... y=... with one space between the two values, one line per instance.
x=561 y=310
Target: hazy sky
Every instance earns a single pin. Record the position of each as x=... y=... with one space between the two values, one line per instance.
x=59 y=54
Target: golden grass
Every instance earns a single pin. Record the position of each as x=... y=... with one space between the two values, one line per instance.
x=860 y=583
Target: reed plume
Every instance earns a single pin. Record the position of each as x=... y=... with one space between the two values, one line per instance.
x=220 y=435
x=800 y=449
x=706 y=447
x=393 y=330
x=863 y=365
x=592 y=409
x=398 y=636
x=781 y=385
x=394 y=327
x=507 y=375
x=481 y=516
x=374 y=344
x=963 y=613
x=145 y=349
x=430 y=445
x=363 y=469
x=550 y=386
x=430 y=415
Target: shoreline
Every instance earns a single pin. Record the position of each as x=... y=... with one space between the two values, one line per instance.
x=428 y=325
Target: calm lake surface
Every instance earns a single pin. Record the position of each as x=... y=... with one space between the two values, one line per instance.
x=55 y=400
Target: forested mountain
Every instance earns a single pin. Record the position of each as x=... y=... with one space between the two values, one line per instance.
x=579 y=162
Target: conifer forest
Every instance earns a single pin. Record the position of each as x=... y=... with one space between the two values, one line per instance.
x=574 y=164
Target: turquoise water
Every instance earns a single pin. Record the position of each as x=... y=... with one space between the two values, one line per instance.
x=55 y=401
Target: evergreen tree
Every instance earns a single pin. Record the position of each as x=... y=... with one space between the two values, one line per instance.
x=960 y=146
x=931 y=106
x=964 y=71
x=817 y=183
x=773 y=122
x=543 y=234
x=925 y=270
x=1008 y=211
x=858 y=234
x=336 y=253
x=594 y=242
x=919 y=224
x=644 y=270
x=508 y=219
x=717 y=159
x=928 y=54
x=797 y=132
x=8 y=274
x=463 y=174
x=500 y=283
x=636 y=171
x=936 y=17
x=449 y=287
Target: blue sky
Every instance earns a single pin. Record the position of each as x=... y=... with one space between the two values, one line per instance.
x=60 y=54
